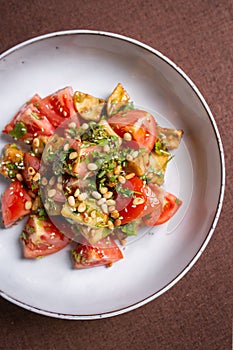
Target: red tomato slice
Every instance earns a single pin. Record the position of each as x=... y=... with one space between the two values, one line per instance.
x=140 y=124
x=40 y=238
x=170 y=206
x=35 y=123
x=132 y=189
x=33 y=162
x=13 y=203
x=35 y=98
x=58 y=106
x=105 y=252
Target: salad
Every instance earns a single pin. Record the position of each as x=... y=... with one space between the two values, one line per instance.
x=87 y=172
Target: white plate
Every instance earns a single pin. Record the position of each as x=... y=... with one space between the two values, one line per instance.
x=95 y=62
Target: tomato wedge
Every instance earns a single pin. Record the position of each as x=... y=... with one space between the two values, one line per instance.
x=140 y=124
x=28 y=123
x=40 y=237
x=105 y=252
x=13 y=203
x=135 y=199
x=58 y=106
x=170 y=206
x=10 y=126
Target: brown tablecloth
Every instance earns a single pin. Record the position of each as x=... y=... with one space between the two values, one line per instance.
x=196 y=312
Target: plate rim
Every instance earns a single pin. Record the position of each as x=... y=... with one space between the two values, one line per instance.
x=222 y=168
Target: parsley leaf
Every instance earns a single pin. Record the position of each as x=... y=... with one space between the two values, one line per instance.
x=19 y=130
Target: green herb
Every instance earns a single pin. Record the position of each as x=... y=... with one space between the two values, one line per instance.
x=19 y=130
x=160 y=148
x=125 y=192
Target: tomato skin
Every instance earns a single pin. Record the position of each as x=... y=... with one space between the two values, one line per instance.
x=13 y=203
x=10 y=126
x=105 y=252
x=41 y=238
x=58 y=106
x=140 y=124
x=30 y=161
x=126 y=207
x=170 y=206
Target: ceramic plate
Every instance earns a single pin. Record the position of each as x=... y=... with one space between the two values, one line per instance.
x=94 y=62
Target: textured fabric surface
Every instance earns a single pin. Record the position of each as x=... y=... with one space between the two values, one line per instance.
x=196 y=312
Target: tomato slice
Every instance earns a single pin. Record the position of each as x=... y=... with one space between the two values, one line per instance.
x=40 y=237
x=13 y=203
x=140 y=124
x=105 y=252
x=35 y=98
x=58 y=106
x=31 y=167
x=136 y=200
x=170 y=206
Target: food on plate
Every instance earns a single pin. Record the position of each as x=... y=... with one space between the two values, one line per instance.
x=87 y=172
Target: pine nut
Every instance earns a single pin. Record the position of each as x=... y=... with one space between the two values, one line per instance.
x=110 y=202
x=108 y=194
x=44 y=181
x=85 y=126
x=101 y=201
x=71 y=201
x=121 y=179
x=127 y=136
x=93 y=214
x=59 y=179
x=96 y=195
x=73 y=155
x=104 y=207
x=117 y=170
x=36 y=142
x=110 y=224
x=117 y=222
x=59 y=187
x=115 y=214
x=138 y=200
x=28 y=205
x=82 y=196
x=77 y=192
x=87 y=220
x=52 y=181
x=81 y=207
x=19 y=177
x=51 y=193
x=36 y=177
x=92 y=166
x=129 y=176
x=75 y=168
x=111 y=208
x=103 y=190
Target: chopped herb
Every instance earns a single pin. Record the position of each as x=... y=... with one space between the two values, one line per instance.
x=19 y=130
x=125 y=192
x=160 y=148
